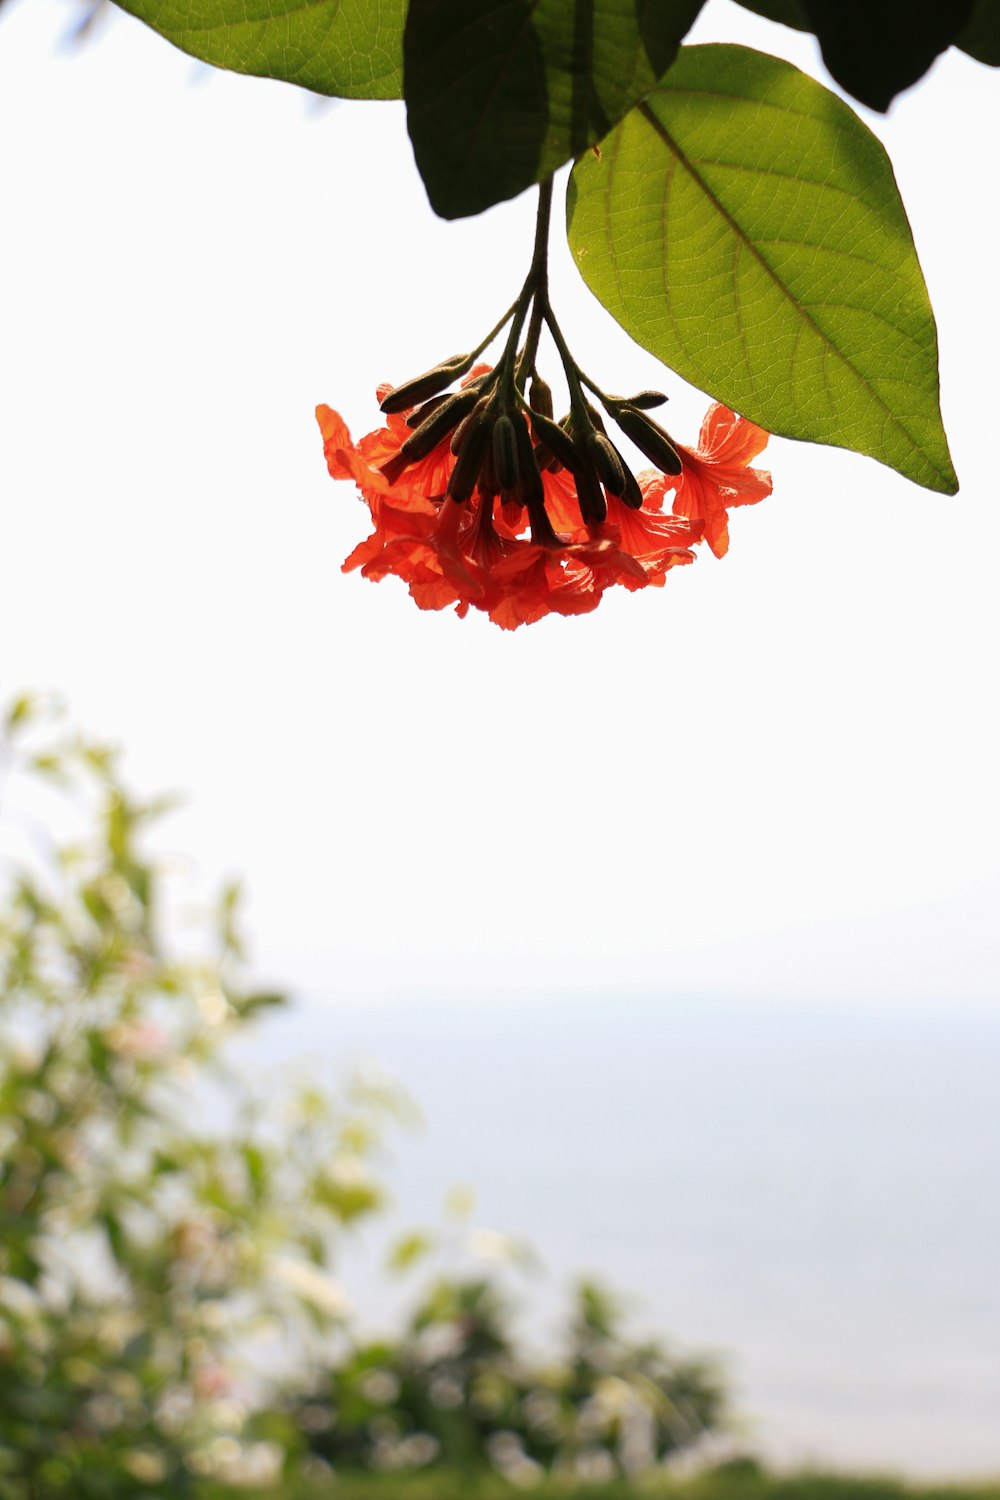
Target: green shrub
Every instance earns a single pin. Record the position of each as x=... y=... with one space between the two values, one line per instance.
x=147 y=1260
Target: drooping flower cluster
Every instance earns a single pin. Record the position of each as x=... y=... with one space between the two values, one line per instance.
x=521 y=516
x=480 y=498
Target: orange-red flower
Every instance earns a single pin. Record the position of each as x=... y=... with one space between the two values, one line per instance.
x=516 y=566
x=715 y=476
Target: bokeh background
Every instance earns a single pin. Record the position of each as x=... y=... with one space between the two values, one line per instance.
x=679 y=919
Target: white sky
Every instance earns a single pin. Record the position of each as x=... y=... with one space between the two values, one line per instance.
x=776 y=776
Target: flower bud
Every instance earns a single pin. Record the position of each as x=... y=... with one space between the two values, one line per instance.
x=505 y=451
x=540 y=397
x=556 y=439
x=631 y=495
x=420 y=414
x=645 y=400
x=530 y=487
x=650 y=438
x=487 y=484
x=607 y=461
x=593 y=506
x=470 y=457
x=431 y=383
x=417 y=417
x=427 y=436
x=458 y=436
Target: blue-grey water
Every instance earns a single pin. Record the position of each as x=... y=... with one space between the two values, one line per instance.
x=812 y=1191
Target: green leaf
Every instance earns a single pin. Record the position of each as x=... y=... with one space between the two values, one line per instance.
x=744 y=226
x=876 y=48
x=500 y=93
x=981 y=38
x=408 y=1250
x=349 y=48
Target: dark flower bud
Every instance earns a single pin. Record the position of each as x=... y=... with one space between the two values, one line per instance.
x=488 y=486
x=431 y=383
x=593 y=506
x=540 y=397
x=631 y=495
x=418 y=417
x=608 y=462
x=477 y=387
x=505 y=451
x=470 y=459
x=438 y=425
x=650 y=438
x=645 y=400
x=530 y=487
x=458 y=436
x=556 y=439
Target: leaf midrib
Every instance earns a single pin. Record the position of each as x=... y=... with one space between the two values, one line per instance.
x=661 y=130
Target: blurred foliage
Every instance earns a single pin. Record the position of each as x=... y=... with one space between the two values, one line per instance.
x=150 y=1264
x=169 y=1315
x=455 y=1388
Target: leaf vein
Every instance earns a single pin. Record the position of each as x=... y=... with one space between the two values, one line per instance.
x=691 y=167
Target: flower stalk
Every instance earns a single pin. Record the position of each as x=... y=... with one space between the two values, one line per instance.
x=481 y=498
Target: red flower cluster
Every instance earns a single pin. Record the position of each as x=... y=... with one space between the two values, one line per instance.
x=516 y=567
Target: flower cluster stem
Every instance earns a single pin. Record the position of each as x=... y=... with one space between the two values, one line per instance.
x=495 y=330
x=574 y=375
x=534 y=295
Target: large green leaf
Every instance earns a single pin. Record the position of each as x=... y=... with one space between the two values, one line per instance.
x=745 y=226
x=349 y=48
x=877 y=47
x=500 y=93
x=981 y=38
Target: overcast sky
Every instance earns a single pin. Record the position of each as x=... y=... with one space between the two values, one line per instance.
x=775 y=776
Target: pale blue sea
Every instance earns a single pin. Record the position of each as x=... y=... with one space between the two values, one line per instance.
x=811 y=1191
